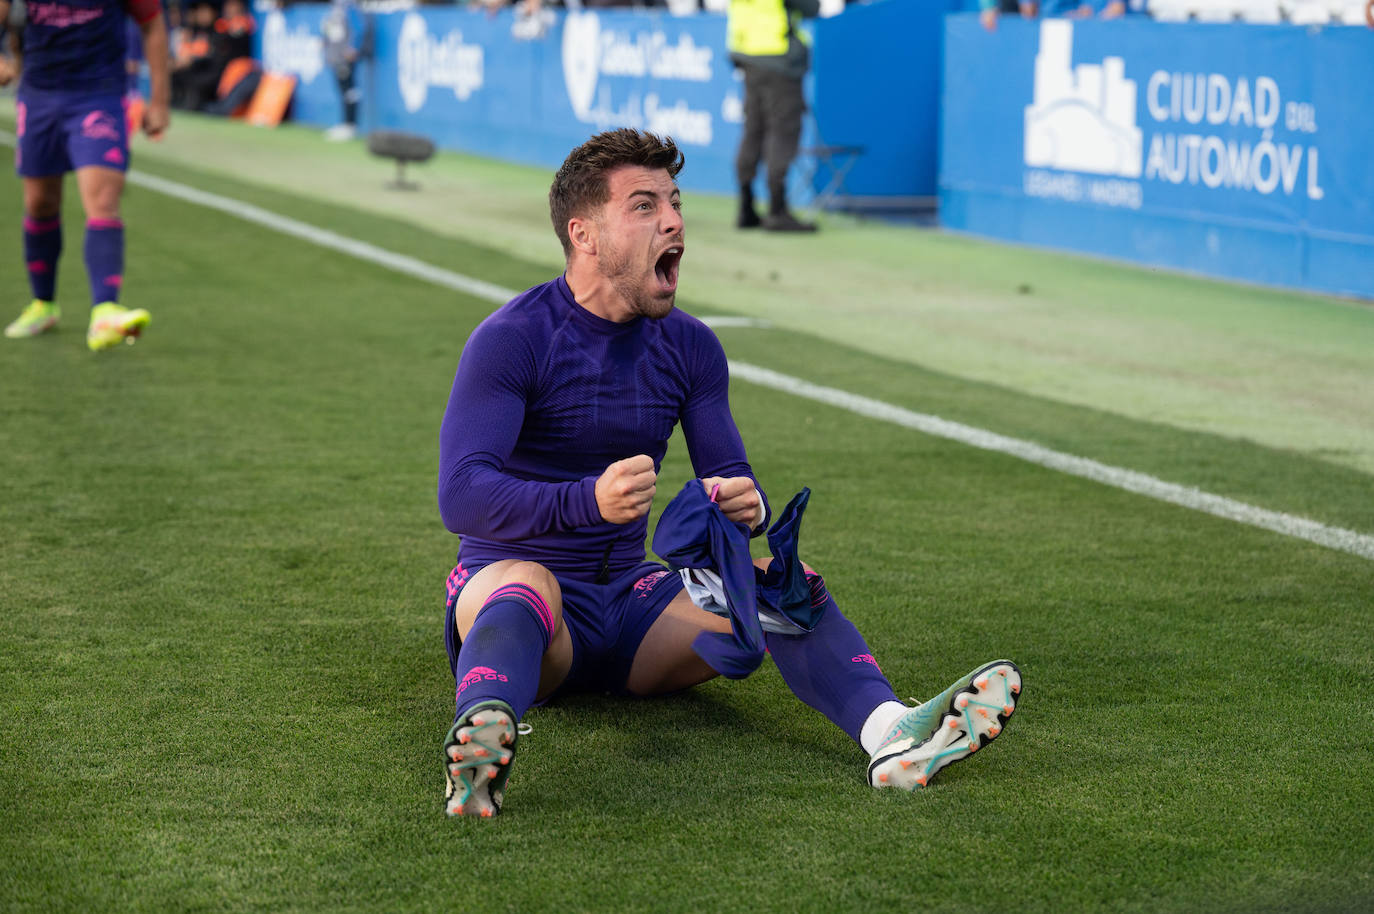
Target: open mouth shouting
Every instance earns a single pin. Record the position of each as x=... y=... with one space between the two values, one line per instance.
x=666 y=267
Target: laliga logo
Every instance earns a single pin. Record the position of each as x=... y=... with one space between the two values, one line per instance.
x=423 y=62
x=1082 y=118
x=285 y=51
x=581 y=59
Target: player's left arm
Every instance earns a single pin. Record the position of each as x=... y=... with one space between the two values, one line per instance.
x=148 y=15
x=713 y=440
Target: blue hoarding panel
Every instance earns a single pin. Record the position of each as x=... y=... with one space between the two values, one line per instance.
x=468 y=80
x=484 y=84
x=877 y=85
x=290 y=42
x=1231 y=150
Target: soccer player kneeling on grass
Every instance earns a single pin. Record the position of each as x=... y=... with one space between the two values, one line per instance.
x=560 y=415
x=70 y=116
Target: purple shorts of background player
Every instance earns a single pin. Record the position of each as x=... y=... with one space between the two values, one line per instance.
x=63 y=131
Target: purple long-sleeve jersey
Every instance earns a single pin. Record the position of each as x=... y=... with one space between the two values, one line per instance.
x=79 y=45
x=547 y=396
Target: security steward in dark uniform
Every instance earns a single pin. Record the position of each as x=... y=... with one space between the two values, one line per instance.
x=764 y=43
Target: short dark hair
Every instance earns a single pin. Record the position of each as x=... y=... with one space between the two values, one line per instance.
x=582 y=185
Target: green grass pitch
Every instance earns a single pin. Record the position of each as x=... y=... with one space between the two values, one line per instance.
x=222 y=683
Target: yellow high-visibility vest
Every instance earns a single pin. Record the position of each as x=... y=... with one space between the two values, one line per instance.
x=757 y=28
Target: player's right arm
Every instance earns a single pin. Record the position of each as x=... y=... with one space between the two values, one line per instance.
x=713 y=440
x=497 y=375
x=158 y=113
x=153 y=25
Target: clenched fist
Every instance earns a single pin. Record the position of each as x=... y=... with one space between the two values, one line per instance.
x=625 y=491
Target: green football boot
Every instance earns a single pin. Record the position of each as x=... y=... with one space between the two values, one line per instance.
x=112 y=325
x=39 y=317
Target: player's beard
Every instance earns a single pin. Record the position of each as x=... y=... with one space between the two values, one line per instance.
x=617 y=266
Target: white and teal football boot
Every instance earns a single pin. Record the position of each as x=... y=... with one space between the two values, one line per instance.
x=951 y=726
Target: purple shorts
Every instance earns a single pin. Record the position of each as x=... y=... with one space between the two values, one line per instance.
x=63 y=131
x=607 y=622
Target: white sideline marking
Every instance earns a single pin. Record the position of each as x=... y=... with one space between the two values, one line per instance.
x=1275 y=521
x=735 y=320
x=1290 y=525
x=326 y=239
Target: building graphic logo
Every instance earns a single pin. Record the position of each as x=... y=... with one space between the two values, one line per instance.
x=1081 y=118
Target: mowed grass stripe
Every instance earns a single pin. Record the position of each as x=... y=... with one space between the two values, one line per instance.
x=1139 y=483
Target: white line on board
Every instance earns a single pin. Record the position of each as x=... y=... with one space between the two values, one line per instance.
x=1140 y=483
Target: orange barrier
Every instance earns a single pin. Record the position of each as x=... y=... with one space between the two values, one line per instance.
x=269 y=103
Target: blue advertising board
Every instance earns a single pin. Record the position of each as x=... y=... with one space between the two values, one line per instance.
x=1231 y=150
x=876 y=84
x=472 y=81
x=289 y=42
x=491 y=84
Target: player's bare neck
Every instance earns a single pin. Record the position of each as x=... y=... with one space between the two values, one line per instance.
x=594 y=292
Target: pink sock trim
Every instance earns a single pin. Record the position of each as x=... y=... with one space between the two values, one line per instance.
x=530 y=596
x=104 y=223
x=40 y=226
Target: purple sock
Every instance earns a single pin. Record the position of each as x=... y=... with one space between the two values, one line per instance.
x=501 y=655
x=42 y=247
x=831 y=669
x=105 y=259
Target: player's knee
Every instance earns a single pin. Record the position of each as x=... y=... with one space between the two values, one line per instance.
x=100 y=193
x=532 y=574
x=103 y=207
x=42 y=206
x=42 y=213
x=539 y=579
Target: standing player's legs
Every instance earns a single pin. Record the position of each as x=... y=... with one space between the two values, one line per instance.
x=41 y=161
x=97 y=133
x=42 y=249
x=515 y=648
x=101 y=189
